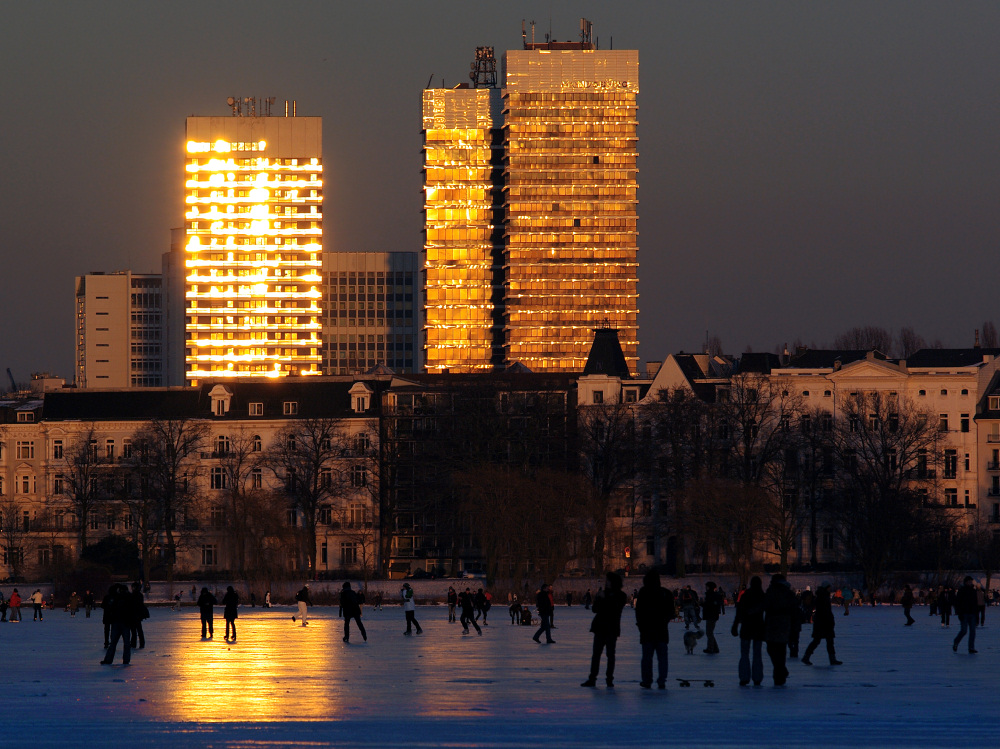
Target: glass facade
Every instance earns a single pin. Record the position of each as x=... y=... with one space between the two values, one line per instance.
x=254 y=233
x=570 y=184
x=462 y=239
x=370 y=316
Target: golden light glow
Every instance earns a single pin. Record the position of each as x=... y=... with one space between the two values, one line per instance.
x=254 y=228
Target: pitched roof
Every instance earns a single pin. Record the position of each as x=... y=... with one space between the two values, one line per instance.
x=121 y=405
x=949 y=357
x=606 y=356
x=827 y=358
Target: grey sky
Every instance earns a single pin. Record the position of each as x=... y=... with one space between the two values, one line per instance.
x=804 y=167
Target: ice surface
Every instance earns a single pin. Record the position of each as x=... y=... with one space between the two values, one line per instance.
x=286 y=685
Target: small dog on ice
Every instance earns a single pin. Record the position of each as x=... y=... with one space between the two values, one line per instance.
x=691 y=639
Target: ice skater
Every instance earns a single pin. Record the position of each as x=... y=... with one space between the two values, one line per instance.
x=654 y=608
x=37 y=601
x=748 y=625
x=452 y=603
x=231 y=601
x=206 y=601
x=545 y=606
x=467 y=604
x=907 y=603
x=15 y=606
x=779 y=608
x=137 y=638
x=967 y=611
x=606 y=627
x=350 y=608
x=410 y=610
x=304 y=602
x=823 y=626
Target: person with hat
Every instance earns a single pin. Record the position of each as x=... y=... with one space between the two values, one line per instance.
x=410 y=610
x=823 y=624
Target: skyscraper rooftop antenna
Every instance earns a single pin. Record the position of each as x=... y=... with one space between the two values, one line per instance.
x=484 y=69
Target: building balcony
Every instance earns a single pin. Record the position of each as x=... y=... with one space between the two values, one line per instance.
x=993 y=466
x=993 y=437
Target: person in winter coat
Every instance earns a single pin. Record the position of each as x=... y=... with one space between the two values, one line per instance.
x=139 y=612
x=231 y=601
x=350 y=608
x=3 y=607
x=468 y=605
x=944 y=606
x=823 y=624
x=88 y=603
x=546 y=606
x=711 y=609
x=15 y=606
x=606 y=627
x=654 y=608
x=302 y=598
x=410 y=610
x=689 y=607
x=981 y=605
x=779 y=608
x=967 y=611
x=206 y=602
x=120 y=611
x=907 y=603
x=452 y=603
x=106 y=616
x=748 y=625
x=37 y=600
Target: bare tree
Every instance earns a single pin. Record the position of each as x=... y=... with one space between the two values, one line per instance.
x=866 y=338
x=308 y=458
x=884 y=444
x=14 y=531
x=82 y=469
x=910 y=342
x=815 y=468
x=989 y=335
x=239 y=476
x=169 y=452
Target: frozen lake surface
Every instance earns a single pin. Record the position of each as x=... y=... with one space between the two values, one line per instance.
x=286 y=685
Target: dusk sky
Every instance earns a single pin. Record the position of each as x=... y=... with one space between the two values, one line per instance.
x=803 y=167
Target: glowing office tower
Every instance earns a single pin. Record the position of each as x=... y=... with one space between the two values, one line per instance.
x=570 y=181
x=253 y=244
x=462 y=239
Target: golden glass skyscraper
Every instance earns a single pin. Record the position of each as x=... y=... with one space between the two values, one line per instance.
x=570 y=183
x=253 y=244
x=461 y=239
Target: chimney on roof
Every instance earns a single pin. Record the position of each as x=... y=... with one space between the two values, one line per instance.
x=976 y=344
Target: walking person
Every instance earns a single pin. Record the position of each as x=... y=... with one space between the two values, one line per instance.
x=711 y=610
x=944 y=606
x=120 y=611
x=37 y=601
x=350 y=608
x=88 y=603
x=231 y=602
x=452 y=603
x=410 y=610
x=654 y=608
x=823 y=625
x=689 y=606
x=468 y=606
x=302 y=598
x=748 y=625
x=967 y=611
x=106 y=616
x=15 y=606
x=139 y=612
x=907 y=603
x=779 y=608
x=545 y=606
x=588 y=599
x=606 y=627
x=206 y=602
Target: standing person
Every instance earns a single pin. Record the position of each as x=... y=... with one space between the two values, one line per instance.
x=350 y=608
x=944 y=606
x=378 y=600
x=410 y=610
x=205 y=603
x=121 y=611
x=37 y=599
x=569 y=598
x=3 y=607
x=823 y=624
x=967 y=611
x=106 y=616
x=253 y=600
x=74 y=604
x=654 y=608
x=452 y=603
x=779 y=608
x=981 y=604
x=587 y=599
x=267 y=600
x=711 y=610
x=689 y=605
x=139 y=612
x=543 y=602
x=748 y=625
x=606 y=627
x=467 y=603
x=15 y=606
x=88 y=603
x=907 y=603
x=302 y=598
x=231 y=601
